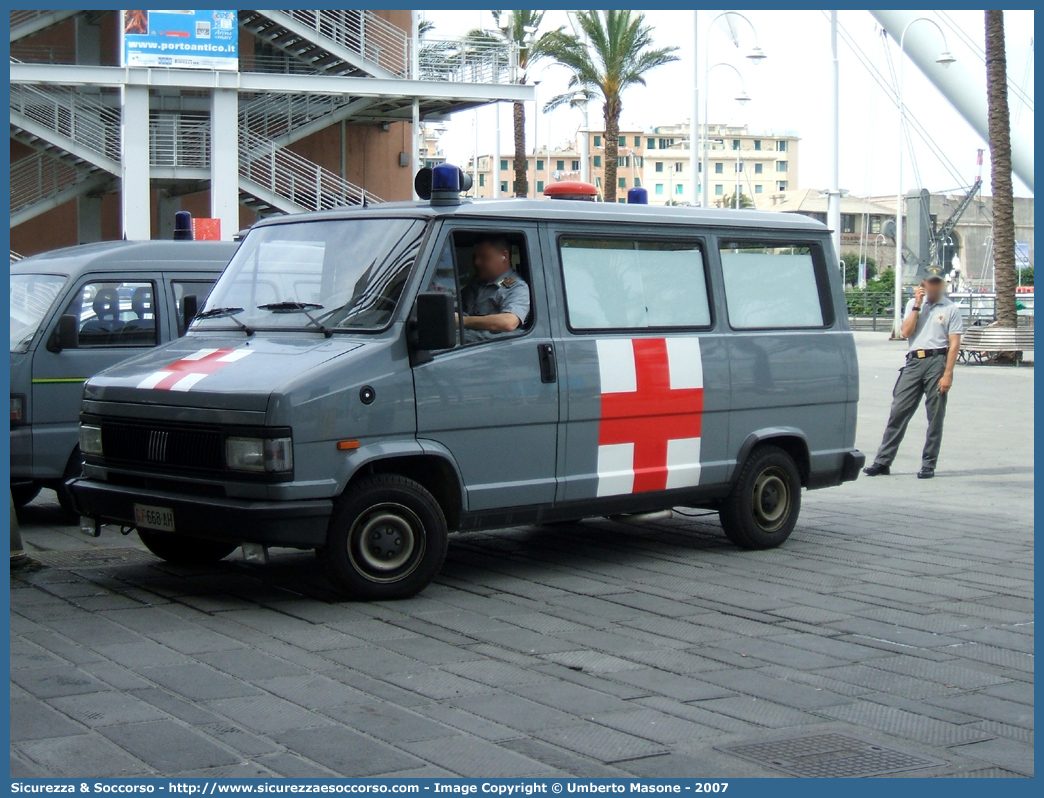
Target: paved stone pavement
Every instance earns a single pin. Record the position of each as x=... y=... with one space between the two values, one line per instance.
x=900 y=613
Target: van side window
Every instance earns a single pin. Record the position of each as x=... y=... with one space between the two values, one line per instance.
x=114 y=313
x=634 y=284
x=505 y=296
x=772 y=286
x=182 y=288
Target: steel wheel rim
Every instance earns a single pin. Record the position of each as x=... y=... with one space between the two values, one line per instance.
x=770 y=499
x=386 y=542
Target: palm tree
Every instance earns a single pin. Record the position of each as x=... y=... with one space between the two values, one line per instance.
x=617 y=55
x=729 y=201
x=520 y=28
x=1000 y=165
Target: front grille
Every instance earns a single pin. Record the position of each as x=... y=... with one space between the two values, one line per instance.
x=163 y=447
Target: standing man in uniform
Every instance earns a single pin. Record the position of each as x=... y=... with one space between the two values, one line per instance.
x=933 y=326
x=496 y=300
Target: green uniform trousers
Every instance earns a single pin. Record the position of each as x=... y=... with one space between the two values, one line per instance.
x=919 y=377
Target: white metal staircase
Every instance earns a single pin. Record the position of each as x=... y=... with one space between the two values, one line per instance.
x=77 y=138
x=29 y=23
x=334 y=42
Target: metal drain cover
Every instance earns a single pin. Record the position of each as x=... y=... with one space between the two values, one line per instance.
x=93 y=558
x=830 y=756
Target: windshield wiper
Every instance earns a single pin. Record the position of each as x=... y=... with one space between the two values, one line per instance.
x=229 y=313
x=299 y=307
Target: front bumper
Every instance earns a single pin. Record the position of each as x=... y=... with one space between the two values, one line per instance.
x=293 y=524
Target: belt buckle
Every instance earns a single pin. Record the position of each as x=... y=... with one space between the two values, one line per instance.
x=921 y=354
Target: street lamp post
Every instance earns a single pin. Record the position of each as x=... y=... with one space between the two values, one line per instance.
x=756 y=56
x=944 y=59
x=742 y=98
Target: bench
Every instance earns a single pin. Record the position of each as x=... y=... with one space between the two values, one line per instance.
x=984 y=344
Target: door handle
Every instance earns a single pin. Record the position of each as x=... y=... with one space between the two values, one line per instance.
x=548 y=367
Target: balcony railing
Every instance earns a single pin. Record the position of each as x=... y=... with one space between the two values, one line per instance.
x=39 y=176
x=75 y=115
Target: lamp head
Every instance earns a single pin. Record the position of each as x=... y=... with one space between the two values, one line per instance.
x=756 y=56
x=945 y=59
x=743 y=98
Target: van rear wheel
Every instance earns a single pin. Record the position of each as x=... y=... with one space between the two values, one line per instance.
x=763 y=507
x=387 y=538
x=181 y=550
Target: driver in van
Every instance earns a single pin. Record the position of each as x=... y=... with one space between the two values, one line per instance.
x=496 y=300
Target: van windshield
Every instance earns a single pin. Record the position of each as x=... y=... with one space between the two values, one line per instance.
x=347 y=274
x=31 y=298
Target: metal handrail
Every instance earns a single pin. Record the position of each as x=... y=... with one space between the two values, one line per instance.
x=179 y=139
x=39 y=176
x=466 y=60
x=362 y=32
x=295 y=178
x=273 y=115
x=71 y=114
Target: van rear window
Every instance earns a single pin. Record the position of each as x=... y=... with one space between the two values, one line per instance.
x=771 y=286
x=633 y=284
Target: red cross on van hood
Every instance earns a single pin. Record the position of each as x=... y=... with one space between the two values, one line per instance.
x=216 y=371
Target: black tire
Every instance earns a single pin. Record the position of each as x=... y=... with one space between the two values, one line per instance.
x=73 y=469
x=181 y=550
x=387 y=539
x=763 y=506
x=25 y=493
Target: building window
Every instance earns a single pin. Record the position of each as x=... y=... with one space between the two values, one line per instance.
x=540 y=187
x=735 y=144
x=739 y=166
x=639 y=160
x=664 y=144
x=622 y=182
x=659 y=188
x=678 y=165
x=758 y=167
x=679 y=188
x=757 y=144
x=848 y=223
x=758 y=188
x=623 y=160
x=719 y=189
x=598 y=141
x=875 y=224
x=781 y=166
x=560 y=166
x=576 y=166
x=782 y=185
x=540 y=165
x=781 y=146
x=503 y=165
x=482 y=179
x=514 y=186
x=623 y=141
x=598 y=160
x=621 y=201
x=659 y=166
x=598 y=182
x=637 y=141
x=719 y=168
x=650 y=144
x=637 y=182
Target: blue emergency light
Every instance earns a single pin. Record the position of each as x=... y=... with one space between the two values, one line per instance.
x=442 y=184
x=637 y=196
x=183 y=226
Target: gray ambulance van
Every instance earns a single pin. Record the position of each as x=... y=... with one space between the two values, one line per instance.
x=79 y=310
x=329 y=395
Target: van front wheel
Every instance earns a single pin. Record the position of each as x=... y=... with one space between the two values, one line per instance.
x=763 y=507
x=387 y=538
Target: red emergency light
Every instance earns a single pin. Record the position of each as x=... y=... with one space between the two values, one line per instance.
x=571 y=190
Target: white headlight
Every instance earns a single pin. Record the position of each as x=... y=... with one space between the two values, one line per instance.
x=90 y=439
x=259 y=454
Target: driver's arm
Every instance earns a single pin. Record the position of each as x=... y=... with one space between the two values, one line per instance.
x=494 y=323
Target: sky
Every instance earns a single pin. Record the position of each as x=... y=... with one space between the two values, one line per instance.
x=789 y=93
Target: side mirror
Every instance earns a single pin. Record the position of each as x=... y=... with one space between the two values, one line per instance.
x=66 y=334
x=189 y=309
x=435 y=326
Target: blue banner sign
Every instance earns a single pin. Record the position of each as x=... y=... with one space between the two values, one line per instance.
x=180 y=39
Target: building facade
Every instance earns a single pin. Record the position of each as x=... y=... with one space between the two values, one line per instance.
x=317 y=111
x=754 y=165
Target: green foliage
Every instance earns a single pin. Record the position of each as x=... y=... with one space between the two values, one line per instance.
x=885 y=281
x=851 y=261
x=1026 y=275
x=729 y=201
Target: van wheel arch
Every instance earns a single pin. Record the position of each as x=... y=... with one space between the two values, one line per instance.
x=435 y=474
x=790 y=441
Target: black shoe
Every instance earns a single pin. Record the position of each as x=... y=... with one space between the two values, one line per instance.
x=926 y=473
x=877 y=469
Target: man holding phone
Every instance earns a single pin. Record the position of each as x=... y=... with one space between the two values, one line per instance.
x=933 y=326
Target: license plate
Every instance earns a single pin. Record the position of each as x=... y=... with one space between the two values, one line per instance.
x=159 y=518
